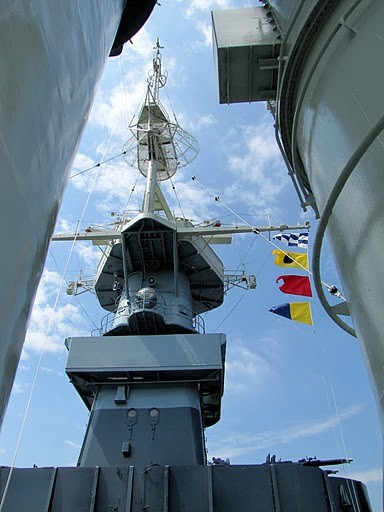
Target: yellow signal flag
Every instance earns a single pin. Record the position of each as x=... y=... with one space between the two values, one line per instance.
x=301 y=312
x=290 y=259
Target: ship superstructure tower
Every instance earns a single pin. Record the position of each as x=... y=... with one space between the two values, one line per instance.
x=152 y=376
x=153 y=379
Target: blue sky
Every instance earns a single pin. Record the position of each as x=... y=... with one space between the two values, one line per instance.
x=290 y=389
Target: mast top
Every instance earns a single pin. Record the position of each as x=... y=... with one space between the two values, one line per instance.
x=155 y=138
x=156 y=79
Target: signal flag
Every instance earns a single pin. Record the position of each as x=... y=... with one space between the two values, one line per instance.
x=295 y=285
x=290 y=259
x=298 y=311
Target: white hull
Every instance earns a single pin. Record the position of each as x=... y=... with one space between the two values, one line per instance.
x=343 y=101
x=51 y=60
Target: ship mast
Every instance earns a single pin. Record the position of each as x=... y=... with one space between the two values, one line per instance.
x=152 y=381
x=150 y=146
x=158 y=146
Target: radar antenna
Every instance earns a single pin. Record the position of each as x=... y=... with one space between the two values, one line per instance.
x=158 y=147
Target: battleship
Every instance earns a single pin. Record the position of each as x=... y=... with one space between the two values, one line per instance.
x=158 y=488
x=152 y=378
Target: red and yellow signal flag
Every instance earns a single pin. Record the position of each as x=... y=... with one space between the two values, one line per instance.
x=290 y=259
x=296 y=285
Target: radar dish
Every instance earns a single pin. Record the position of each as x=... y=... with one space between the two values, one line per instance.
x=156 y=137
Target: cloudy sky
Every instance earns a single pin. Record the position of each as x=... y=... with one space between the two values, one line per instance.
x=291 y=390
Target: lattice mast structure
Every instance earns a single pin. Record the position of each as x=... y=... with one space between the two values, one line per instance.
x=158 y=147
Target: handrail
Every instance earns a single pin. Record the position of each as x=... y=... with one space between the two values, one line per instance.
x=327 y=212
x=161 y=308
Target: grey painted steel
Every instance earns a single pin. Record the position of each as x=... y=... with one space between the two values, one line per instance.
x=328 y=105
x=134 y=361
x=247 y=51
x=336 y=95
x=143 y=392
x=181 y=353
x=187 y=488
x=51 y=62
x=275 y=488
x=149 y=197
x=157 y=425
x=96 y=475
x=147 y=248
x=327 y=212
x=184 y=232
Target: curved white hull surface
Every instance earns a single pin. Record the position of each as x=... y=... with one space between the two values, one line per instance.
x=52 y=55
x=342 y=103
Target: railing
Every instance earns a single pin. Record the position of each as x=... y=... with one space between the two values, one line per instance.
x=199 y=324
x=327 y=212
x=135 y=305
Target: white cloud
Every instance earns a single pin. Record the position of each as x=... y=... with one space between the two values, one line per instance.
x=256 y=163
x=206 y=31
x=140 y=48
x=82 y=163
x=65 y=226
x=18 y=388
x=72 y=444
x=369 y=476
x=52 y=371
x=196 y=203
x=114 y=181
x=206 y=120
x=24 y=356
x=205 y=5
x=115 y=108
x=246 y=369
x=89 y=254
x=241 y=444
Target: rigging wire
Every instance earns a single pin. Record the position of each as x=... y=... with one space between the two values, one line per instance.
x=237 y=268
x=33 y=386
x=217 y=199
x=177 y=198
x=99 y=164
x=119 y=66
x=244 y=293
x=75 y=296
x=320 y=351
x=231 y=311
x=125 y=209
x=344 y=448
x=330 y=288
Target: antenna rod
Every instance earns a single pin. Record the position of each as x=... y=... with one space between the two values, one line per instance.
x=150 y=191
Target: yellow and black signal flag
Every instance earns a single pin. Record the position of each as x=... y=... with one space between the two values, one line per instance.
x=290 y=259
